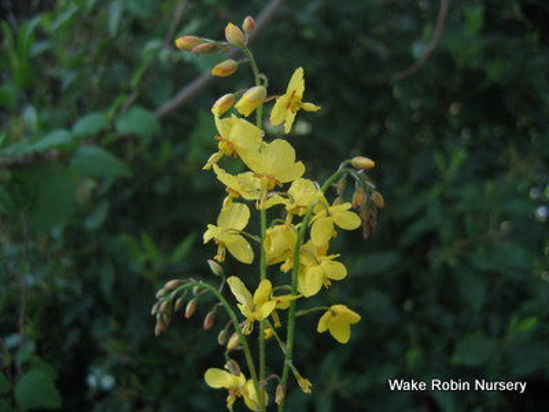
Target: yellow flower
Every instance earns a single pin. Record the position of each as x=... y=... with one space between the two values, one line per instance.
x=231 y=220
x=236 y=137
x=289 y=103
x=257 y=308
x=246 y=185
x=237 y=385
x=317 y=269
x=322 y=229
x=301 y=194
x=274 y=163
x=251 y=100
x=279 y=243
x=338 y=320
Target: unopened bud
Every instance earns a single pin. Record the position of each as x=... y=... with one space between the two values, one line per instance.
x=251 y=100
x=158 y=329
x=359 y=197
x=165 y=306
x=233 y=367
x=191 y=308
x=205 y=48
x=179 y=303
x=225 y=68
x=197 y=290
x=364 y=214
x=280 y=394
x=222 y=337
x=161 y=293
x=361 y=162
x=172 y=284
x=305 y=384
x=378 y=200
x=268 y=332
x=248 y=25
x=187 y=43
x=154 y=309
x=214 y=266
x=209 y=321
x=234 y=35
x=233 y=342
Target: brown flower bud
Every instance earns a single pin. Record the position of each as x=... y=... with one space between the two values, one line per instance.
x=359 y=197
x=209 y=321
x=225 y=68
x=205 y=48
x=161 y=293
x=248 y=25
x=197 y=290
x=232 y=366
x=222 y=337
x=280 y=394
x=172 y=284
x=187 y=43
x=158 y=329
x=233 y=342
x=191 y=308
x=165 y=306
x=154 y=309
x=179 y=303
x=361 y=162
x=234 y=35
x=378 y=200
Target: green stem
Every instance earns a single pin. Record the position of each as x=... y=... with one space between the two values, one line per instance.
x=295 y=271
x=257 y=79
x=262 y=275
x=241 y=337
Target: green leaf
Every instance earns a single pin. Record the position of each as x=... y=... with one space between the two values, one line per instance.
x=6 y=203
x=91 y=124
x=115 y=15
x=97 y=217
x=94 y=161
x=474 y=350
x=184 y=248
x=55 y=139
x=36 y=389
x=4 y=384
x=138 y=121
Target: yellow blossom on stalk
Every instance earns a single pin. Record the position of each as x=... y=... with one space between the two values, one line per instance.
x=289 y=103
x=301 y=194
x=322 y=229
x=231 y=220
x=274 y=163
x=338 y=320
x=225 y=68
x=246 y=184
x=234 y=35
x=251 y=100
x=237 y=385
x=317 y=269
x=236 y=137
x=279 y=243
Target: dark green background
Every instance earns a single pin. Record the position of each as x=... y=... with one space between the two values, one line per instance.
x=98 y=207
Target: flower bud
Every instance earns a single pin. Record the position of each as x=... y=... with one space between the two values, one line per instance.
x=305 y=384
x=280 y=394
x=268 y=332
x=359 y=197
x=158 y=329
x=197 y=290
x=251 y=100
x=225 y=68
x=248 y=25
x=209 y=321
x=187 y=43
x=191 y=308
x=172 y=284
x=232 y=366
x=234 y=35
x=205 y=48
x=214 y=266
x=233 y=342
x=179 y=303
x=222 y=337
x=161 y=293
x=361 y=162
x=154 y=309
x=364 y=214
x=165 y=306
x=378 y=200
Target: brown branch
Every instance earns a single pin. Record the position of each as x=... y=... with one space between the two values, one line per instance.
x=191 y=89
x=439 y=26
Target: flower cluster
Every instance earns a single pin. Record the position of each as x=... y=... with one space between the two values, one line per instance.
x=296 y=244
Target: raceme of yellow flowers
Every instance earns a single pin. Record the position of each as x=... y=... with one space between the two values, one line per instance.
x=293 y=249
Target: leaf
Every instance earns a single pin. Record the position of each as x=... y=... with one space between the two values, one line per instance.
x=138 y=121
x=36 y=389
x=97 y=217
x=474 y=350
x=55 y=139
x=91 y=124
x=4 y=384
x=115 y=15
x=94 y=161
x=184 y=248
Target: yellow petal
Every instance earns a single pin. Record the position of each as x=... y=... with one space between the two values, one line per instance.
x=240 y=248
x=289 y=121
x=322 y=230
x=296 y=84
x=310 y=107
x=211 y=233
x=251 y=398
x=278 y=113
x=263 y=292
x=310 y=282
x=240 y=291
x=323 y=322
x=219 y=378
x=264 y=310
x=346 y=314
x=334 y=270
x=340 y=331
x=235 y=216
x=347 y=220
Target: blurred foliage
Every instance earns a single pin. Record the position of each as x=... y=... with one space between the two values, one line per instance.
x=101 y=201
